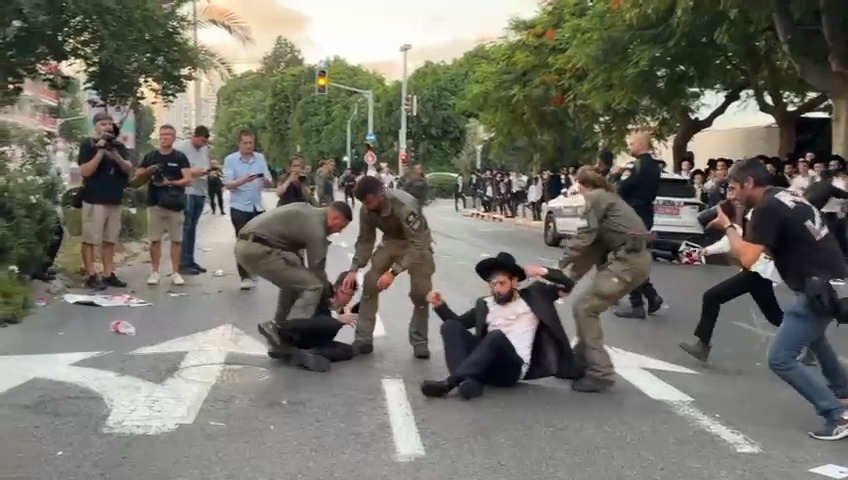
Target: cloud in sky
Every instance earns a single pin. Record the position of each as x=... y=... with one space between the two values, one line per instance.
x=369 y=32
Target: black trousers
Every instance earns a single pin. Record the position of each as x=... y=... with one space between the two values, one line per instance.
x=317 y=335
x=536 y=209
x=240 y=219
x=458 y=197
x=349 y=198
x=761 y=290
x=52 y=250
x=491 y=361
x=646 y=289
x=216 y=194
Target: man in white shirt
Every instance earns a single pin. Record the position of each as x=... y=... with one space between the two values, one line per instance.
x=197 y=152
x=511 y=325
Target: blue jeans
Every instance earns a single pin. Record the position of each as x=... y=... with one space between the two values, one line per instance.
x=803 y=327
x=193 y=210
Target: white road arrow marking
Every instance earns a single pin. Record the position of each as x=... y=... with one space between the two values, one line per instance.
x=634 y=367
x=136 y=406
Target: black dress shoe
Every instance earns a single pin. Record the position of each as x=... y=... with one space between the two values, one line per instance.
x=189 y=271
x=469 y=389
x=309 y=361
x=199 y=268
x=435 y=388
x=362 y=348
x=655 y=303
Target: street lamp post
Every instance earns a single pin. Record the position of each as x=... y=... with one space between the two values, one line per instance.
x=403 y=94
x=349 y=121
x=198 y=102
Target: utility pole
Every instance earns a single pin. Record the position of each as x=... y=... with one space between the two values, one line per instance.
x=349 y=121
x=404 y=86
x=198 y=102
x=369 y=96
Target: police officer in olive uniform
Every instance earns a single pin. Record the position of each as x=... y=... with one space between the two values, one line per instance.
x=613 y=237
x=270 y=246
x=406 y=246
x=638 y=183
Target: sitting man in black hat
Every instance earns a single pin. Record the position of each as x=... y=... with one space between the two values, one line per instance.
x=518 y=334
x=310 y=343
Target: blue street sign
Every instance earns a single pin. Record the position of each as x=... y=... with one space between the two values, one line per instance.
x=371 y=138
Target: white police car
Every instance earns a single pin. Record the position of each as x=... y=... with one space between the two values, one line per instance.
x=675 y=216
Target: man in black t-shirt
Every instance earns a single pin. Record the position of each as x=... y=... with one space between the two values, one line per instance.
x=292 y=187
x=790 y=230
x=105 y=171
x=168 y=172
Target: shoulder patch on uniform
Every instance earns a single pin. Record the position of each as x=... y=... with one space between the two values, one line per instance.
x=413 y=220
x=630 y=165
x=625 y=174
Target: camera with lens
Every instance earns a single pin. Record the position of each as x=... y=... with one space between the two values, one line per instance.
x=109 y=140
x=302 y=178
x=710 y=214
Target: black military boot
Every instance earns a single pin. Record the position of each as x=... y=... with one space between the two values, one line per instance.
x=631 y=312
x=589 y=384
x=699 y=350
x=655 y=303
x=361 y=347
x=421 y=351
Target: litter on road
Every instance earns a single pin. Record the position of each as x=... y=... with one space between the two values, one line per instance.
x=122 y=327
x=106 y=300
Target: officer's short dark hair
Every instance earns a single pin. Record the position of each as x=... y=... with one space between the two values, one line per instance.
x=751 y=168
x=201 y=131
x=367 y=186
x=344 y=209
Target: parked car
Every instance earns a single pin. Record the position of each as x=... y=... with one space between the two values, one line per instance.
x=675 y=216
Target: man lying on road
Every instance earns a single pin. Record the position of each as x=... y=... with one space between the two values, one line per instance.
x=310 y=342
x=518 y=334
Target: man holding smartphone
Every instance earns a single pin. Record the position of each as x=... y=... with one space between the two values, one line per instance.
x=245 y=175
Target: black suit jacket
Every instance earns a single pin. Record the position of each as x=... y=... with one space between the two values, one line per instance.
x=552 y=354
x=313 y=332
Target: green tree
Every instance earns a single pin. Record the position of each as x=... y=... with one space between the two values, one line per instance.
x=145 y=125
x=242 y=103
x=437 y=132
x=815 y=37
x=71 y=108
x=282 y=56
x=643 y=67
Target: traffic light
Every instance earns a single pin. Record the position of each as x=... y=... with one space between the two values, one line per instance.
x=322 y=81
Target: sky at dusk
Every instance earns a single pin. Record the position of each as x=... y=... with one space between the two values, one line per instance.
x=369 y=32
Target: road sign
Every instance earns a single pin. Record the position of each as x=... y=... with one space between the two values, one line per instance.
x=140 y=407
x=634 y=367
x=370 y=158
x=371 y=137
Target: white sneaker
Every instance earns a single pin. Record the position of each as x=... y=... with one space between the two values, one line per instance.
x=177 y=279
x=247 y=284
x=153 y=279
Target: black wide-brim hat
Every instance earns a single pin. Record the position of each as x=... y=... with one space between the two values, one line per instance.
x=502 y=262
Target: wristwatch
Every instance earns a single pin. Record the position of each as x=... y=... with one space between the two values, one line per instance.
x=396 y=269
x=728 y=227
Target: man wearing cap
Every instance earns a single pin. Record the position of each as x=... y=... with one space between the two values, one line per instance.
x=518 y=334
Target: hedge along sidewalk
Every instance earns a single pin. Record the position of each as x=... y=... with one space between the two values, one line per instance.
x=496 y=217
x=131 y=245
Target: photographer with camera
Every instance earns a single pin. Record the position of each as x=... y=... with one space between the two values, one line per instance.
x=792 y=232
x=292 y=187
x=105 y=172
x=168 y=172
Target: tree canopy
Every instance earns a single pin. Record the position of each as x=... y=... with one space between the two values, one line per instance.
x=575 y=77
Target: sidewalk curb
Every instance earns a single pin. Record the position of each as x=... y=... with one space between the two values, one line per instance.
x=495 y=217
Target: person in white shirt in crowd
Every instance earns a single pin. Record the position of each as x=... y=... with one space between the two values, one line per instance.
x=835 y=209
x=801 y=181
x=534 y=198
x=687 y=164
x=197 y=152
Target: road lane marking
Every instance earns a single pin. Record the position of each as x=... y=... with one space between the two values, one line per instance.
x=764 y=333
x=684 y=406
x=405 y=434
x=831 y=471
x=379 y=328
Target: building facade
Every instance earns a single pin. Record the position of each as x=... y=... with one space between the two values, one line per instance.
x=35 y=108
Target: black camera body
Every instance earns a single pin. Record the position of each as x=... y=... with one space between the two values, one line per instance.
x=109 y=140
x=710 y=214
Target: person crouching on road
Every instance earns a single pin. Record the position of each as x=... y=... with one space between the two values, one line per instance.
x=269 y=246
x=612 y=236
x=310 y=342
x=518 y=334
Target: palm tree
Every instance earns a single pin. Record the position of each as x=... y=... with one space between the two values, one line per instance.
x=211 y=15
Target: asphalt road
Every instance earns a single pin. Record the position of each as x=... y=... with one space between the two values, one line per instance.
x=366 y=418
